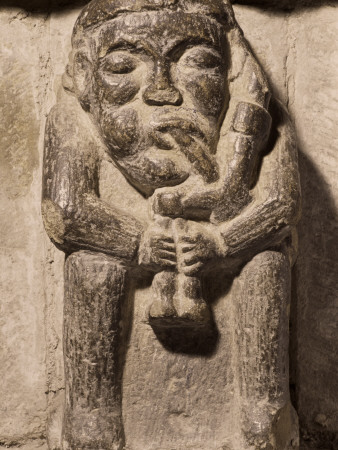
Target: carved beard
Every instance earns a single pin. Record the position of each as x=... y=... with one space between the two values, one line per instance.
x=165 y=152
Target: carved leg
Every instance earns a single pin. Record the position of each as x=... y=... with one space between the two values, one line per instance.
x=94 y=292
x=268 y=419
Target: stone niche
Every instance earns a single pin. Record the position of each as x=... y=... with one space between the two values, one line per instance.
x=171 y=399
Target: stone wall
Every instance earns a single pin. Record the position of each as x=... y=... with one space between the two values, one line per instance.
x=299 y=51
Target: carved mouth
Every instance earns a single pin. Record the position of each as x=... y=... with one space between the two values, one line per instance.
x=185 y=137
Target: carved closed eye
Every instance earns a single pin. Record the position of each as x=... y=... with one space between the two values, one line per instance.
x=118 y=63
x=201 y=58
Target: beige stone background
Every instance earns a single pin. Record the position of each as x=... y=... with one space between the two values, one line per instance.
x=298 y=48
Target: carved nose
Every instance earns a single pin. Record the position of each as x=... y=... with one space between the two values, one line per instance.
x=161 y=90
x=169 y=96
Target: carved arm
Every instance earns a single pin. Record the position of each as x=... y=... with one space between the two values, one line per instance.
x=74 y=215
x=276 y=208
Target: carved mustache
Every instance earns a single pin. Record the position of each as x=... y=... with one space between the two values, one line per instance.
x=191 y=142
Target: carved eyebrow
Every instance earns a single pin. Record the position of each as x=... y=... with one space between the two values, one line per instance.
x=177 y=51
x=122 y=44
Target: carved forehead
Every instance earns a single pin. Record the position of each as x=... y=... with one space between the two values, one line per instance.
x=99 y=11
x=160 y=30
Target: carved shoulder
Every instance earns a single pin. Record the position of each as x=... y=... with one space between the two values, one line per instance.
x=69 y=127
x=72 y=156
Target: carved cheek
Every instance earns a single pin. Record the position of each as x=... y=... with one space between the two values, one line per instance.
x=121 y=130
x=208 y=93
x=116 y=89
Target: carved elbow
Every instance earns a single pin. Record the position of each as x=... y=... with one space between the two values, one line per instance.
x=295 y=210
x=54 y=219
x=290 y=208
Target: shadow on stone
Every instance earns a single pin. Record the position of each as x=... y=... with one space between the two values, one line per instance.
x=48 y=6
x=189 y=340
x=286 y=5
x=198 y=340
x=313 y=355
x=44 y=6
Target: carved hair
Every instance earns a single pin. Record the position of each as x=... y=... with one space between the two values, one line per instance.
x=98 y=11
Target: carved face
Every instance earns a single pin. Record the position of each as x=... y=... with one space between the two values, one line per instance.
x=160 y=93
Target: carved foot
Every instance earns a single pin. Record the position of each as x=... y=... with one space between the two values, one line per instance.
x=93 y=430
x=270 y=428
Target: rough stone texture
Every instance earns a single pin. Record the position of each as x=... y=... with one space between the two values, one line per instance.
x=296 y=70
x=284 y=4
x=31 y=270
x=43 y=5
x=308 y=54
x=178 y=104
x=48 y=6
x=314 y=107
x=22 y=369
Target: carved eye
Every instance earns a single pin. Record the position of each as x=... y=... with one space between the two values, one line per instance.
x=118 y=63
x=202 y=58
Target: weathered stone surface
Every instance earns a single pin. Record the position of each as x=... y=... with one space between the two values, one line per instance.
x=50 y=5
x=306 y=79
x=284 y=4
x=35 y=444
x=177 y=103
x=313 y=364
x=31 y=269
x=271 y=48
x=314 y=70
x=22 y=370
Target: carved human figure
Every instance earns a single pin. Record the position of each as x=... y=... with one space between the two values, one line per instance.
x=171 y=92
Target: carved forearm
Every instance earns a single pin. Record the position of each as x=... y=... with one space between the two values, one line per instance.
x=92 y=225
x=259 y=227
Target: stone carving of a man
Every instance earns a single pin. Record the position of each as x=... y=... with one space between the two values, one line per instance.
x=170 y=93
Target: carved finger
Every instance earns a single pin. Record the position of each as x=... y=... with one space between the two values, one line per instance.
x=190 y=260
x=192 y=270
x=162 y=242
x=164 y=254
x=168 y=246
x=165 y=239
x=191 y=239
x=188 y=247
x=167 y=263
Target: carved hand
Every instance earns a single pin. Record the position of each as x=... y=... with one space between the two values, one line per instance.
x=157 y=249
x=198 y=249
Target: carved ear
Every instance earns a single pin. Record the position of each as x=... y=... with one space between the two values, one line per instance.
x=82 y=70
x=231 y=21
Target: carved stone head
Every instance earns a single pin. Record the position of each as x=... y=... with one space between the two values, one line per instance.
x=153 y=76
